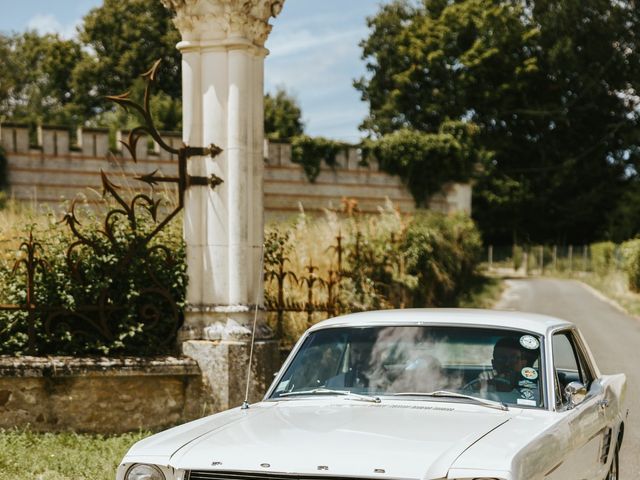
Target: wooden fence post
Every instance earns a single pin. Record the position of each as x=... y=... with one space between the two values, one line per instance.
x=585 y=257
x=541 y=257
x=490 y=259
x=570 y=258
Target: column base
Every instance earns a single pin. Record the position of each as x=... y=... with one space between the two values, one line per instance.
x=224 y=365
x=215 y=322
x=219 y=340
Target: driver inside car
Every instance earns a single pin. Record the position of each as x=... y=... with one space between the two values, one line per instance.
x=510 y=362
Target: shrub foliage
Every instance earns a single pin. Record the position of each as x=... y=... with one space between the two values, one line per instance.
x=387 y=261
x=100 y=294
x=109 y=291
x=630 y=251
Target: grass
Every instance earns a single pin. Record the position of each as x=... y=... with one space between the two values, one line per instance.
x=26 y=455
x=614 y=286
x=485 y=293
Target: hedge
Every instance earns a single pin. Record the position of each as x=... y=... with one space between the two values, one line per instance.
x=389 y=261
x=118 y=297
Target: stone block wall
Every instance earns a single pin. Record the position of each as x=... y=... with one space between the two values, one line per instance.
x=100 y=395
x=56 y=169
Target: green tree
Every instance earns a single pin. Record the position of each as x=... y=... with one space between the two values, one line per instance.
x=551 y=85
x=282 y=116
x=125 y=39
x=35 y=83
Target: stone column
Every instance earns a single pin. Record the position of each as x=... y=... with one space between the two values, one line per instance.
x=222 y=81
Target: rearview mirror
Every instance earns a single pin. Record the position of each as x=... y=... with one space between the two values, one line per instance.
x=575 y=393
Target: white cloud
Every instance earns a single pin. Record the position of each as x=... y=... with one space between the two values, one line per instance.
x=319 y=68
x=48 y=23
x=315 y=54
x=292 y=43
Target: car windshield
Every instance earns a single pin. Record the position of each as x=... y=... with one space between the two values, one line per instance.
x=413 y=361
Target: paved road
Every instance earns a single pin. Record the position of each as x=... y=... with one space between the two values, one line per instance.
x=613 y=336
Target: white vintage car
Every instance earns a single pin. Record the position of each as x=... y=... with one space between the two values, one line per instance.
x=412 y=394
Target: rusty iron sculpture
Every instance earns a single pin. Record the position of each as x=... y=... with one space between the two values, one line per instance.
x=95 y=322
x=308 y=295
x=322 y=294
x=319 y=296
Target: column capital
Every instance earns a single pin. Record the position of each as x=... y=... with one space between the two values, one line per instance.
x=224 y=20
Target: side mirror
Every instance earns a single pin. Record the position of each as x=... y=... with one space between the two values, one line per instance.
x=575 y=393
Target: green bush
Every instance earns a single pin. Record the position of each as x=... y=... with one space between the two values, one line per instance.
x=603 y=257
x=388 y=261
x=102 y=294
x=443 y=253
x=631 y=263
x=310 y=152
x=427 y=161
x=517 y=256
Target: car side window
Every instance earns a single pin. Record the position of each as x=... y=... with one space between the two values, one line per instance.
x=569 y=366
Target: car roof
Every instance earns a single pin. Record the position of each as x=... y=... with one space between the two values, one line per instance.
x=531 y=322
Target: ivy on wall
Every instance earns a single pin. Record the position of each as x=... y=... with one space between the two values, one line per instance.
x=311 y=151
x=427 y=161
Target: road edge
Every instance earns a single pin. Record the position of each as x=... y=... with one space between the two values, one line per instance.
x=598 y=294
x=509 y=286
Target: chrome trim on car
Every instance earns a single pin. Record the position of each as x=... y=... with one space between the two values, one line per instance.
x=250 y=475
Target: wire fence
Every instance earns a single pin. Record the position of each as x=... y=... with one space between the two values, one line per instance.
x=541 y=259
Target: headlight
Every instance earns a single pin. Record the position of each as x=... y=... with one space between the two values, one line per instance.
x=140 y=471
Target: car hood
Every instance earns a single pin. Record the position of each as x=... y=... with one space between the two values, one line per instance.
x=342 y=437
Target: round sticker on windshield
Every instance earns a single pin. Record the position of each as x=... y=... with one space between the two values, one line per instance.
x=529 y=341
x=528 y=394
x=529 y=373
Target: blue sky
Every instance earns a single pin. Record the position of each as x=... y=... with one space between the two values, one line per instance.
x=314 y=53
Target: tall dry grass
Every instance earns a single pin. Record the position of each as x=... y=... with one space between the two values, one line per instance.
x=311 y=248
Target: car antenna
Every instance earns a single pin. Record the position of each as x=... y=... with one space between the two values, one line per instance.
x=245 y=404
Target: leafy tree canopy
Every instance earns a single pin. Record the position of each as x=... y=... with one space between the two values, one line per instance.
x=125 y=39
x=551 y=84
x=36 y=81
x=282 y=116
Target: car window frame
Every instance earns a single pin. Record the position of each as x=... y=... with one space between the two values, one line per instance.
x=582 y=358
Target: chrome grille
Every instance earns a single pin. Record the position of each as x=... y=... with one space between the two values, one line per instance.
x=226 y=475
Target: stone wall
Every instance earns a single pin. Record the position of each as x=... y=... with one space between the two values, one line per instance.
x=100 y=395
x=58 y=168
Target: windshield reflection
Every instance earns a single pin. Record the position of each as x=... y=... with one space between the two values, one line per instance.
x=493 y=364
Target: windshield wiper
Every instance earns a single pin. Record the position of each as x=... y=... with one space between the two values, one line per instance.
x=321 y=390
x=445 y=393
